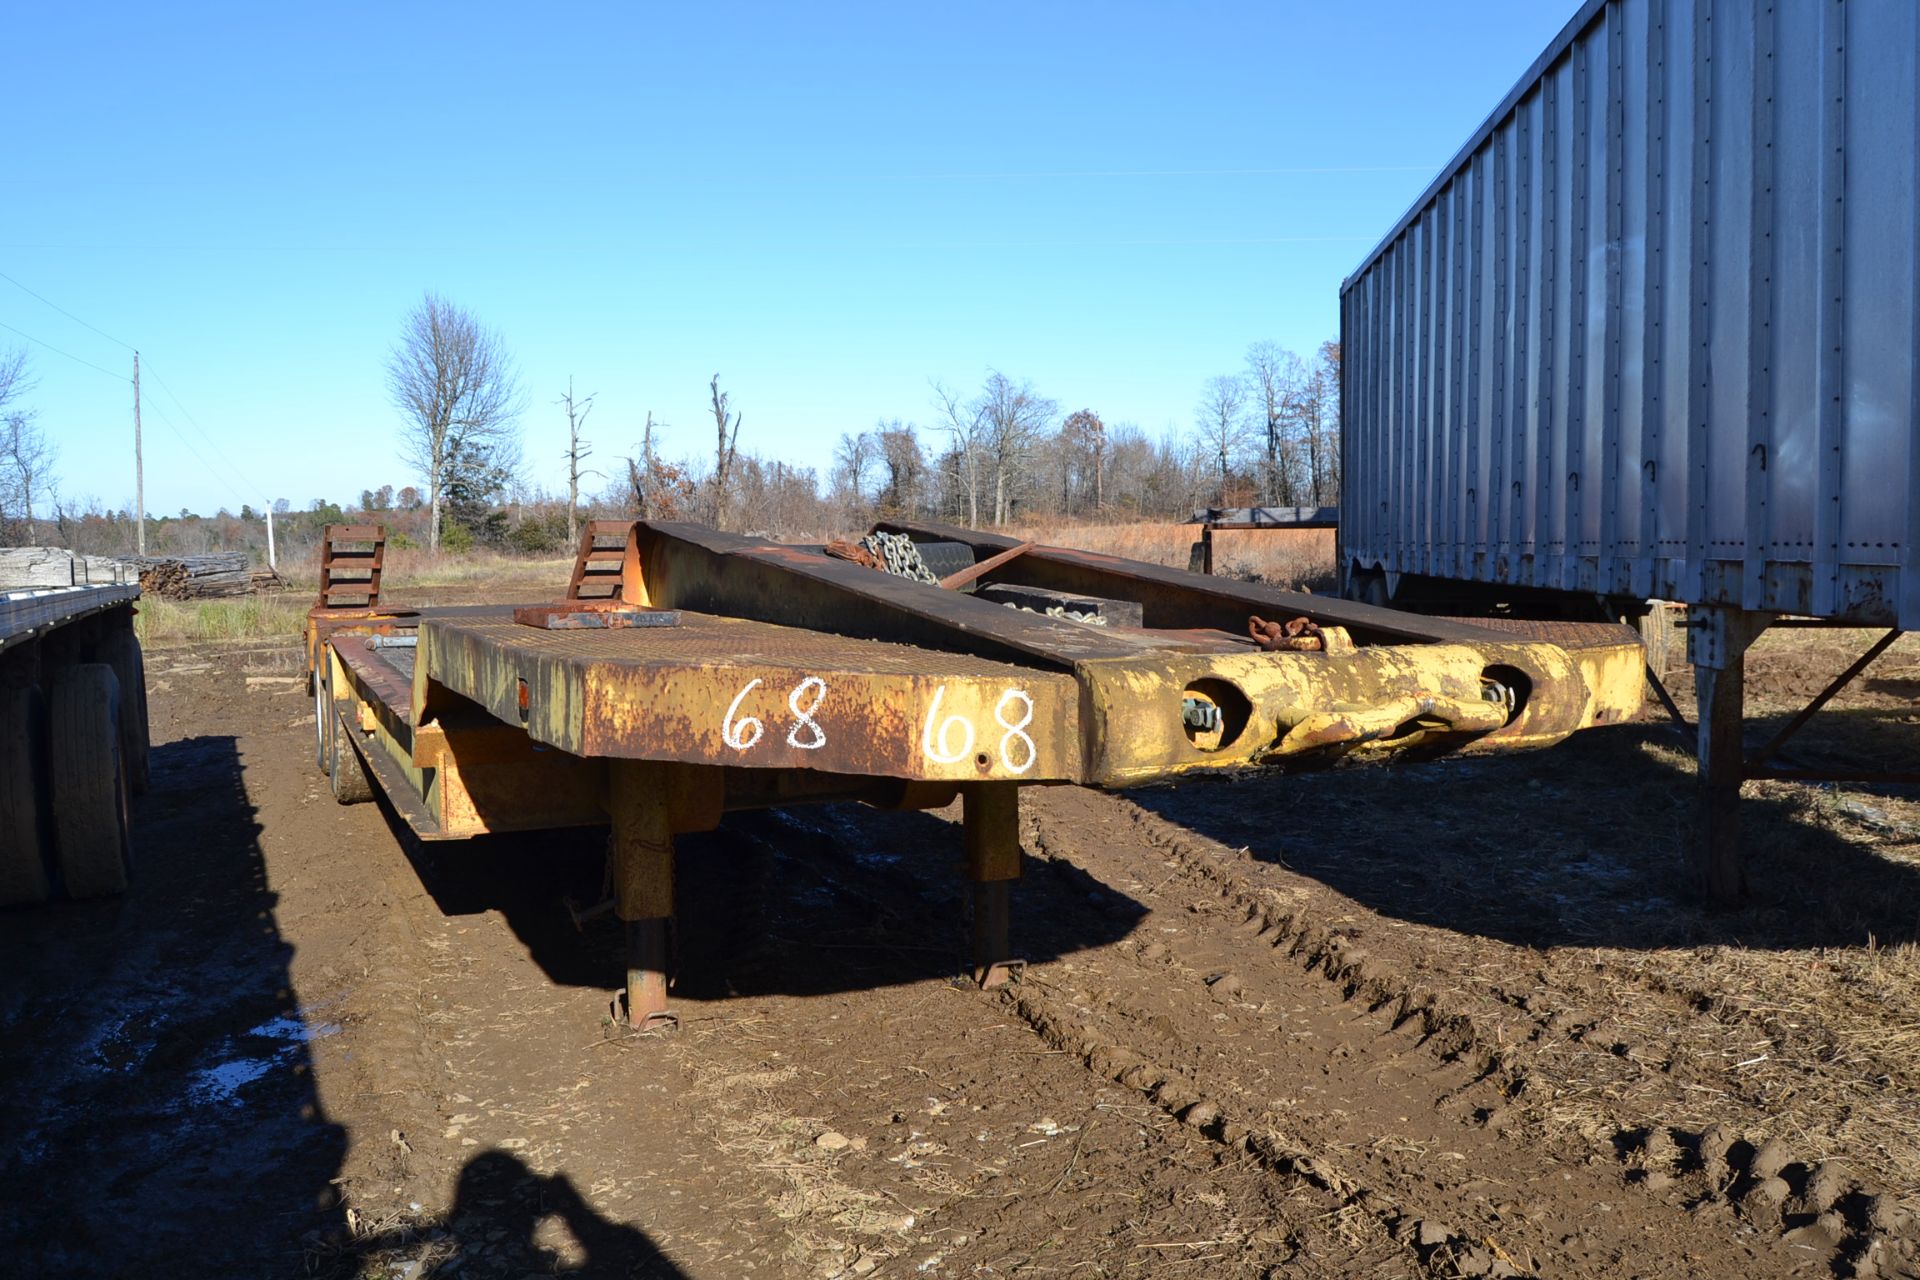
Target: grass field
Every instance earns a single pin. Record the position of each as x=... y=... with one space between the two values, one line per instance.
x=1282 y=557
x=282 y=613
x=159 y=621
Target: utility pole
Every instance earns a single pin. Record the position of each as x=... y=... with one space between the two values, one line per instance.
x=271 y=562
x=139 y=465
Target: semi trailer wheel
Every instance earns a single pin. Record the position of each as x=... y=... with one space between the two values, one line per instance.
x=348 y=774
x=23 y=838
x=122 y=653
x=322 y=715
x=89 y=781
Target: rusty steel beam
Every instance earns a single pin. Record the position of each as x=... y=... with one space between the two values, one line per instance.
x=1174 y=598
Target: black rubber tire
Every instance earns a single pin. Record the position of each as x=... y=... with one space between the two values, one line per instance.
x=122 y=653
x=944 y=559
x=23 y=835
x=1658 y=634
x=1373 y=590
x=92 y=844
x=346 y=772
x=323 y=715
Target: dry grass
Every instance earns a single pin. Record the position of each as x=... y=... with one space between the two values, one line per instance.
x=278 y=615
x=1282 y=557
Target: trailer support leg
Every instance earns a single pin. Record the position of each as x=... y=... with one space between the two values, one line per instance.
x=1717 y=642
x=642 y=853
x=992 y=831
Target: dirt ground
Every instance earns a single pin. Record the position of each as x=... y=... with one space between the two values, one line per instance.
x=1451 y=1018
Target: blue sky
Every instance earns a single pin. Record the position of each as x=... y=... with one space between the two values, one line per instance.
x=826 y=205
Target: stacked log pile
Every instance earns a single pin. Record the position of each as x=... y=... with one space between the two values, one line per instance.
x=223 y=573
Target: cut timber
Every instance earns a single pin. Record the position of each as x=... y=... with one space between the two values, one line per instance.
x=223 y=573
x=23 y=845
x=89 y=781
x=22 y=567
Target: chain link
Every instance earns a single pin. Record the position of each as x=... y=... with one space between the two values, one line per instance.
x=898 y=556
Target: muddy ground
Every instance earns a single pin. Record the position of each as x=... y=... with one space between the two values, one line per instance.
x=1457 y=1018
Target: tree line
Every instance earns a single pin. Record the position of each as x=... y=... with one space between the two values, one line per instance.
x=1264 y=434
x=1267 y=434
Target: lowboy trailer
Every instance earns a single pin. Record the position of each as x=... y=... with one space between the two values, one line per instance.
x=689 y=673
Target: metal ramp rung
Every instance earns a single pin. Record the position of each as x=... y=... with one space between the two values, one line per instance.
x=599 y=567
x=351 y=558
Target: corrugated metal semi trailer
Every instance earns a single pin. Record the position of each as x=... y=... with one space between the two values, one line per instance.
x=1655 y=332
x=1652 y=333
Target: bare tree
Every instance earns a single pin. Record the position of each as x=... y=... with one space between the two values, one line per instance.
x=1323 y=423
x=578 y=451
x=1013 y=416
x=1221 y=418
x=455 y=386
x=966 y=427
x=1274 y=375
x=728 y=428
x=26 y=456
x=906 y=468
x=656 y=489
x=852 y=458
x=1083 y=446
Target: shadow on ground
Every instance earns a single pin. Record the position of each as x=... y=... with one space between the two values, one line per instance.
x=508 y=1220
x=156 y=1058
x=808 y=901
x=1583 y=844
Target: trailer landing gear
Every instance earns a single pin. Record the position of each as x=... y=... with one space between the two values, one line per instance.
x=992 y=833
x=643 y=886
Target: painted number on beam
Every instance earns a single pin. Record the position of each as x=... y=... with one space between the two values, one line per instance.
x=948 y=741
x=943 y=741
x=806 y=733
x=734 y=732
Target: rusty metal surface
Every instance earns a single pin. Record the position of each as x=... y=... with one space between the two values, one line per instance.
x=735 y=692
x=588 y=615
x=1174 y=598
x=1567 y=635
x=376 y=676
x=827 y=672
x=693 y=567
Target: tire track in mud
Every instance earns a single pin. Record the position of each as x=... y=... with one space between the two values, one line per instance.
x=1392 y=1104
x=1402 y=1074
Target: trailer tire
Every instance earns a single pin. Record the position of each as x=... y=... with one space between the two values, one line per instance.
x=89 y=781
x=322 y=714
x=347 y=773
x=23 y=840
x=122 y=653
x=944 y=559
x=1657 y=634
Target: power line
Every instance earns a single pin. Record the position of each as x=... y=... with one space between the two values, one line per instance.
x=63 y=311
x=232 y=472
x=246 y=482
x=68 y=354
x=188 y=445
